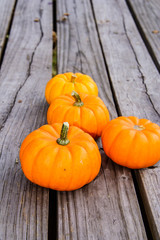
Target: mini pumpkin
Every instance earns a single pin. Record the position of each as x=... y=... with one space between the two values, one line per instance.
x=87 y=112
x=56 y=158
x=132 y=142
x=67 y=82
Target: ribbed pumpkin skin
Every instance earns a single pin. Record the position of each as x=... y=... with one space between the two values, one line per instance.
x=63 y=168
x=91 y=117
x=132 y=142
x=62 y=84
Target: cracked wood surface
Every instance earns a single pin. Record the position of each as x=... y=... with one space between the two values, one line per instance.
x=26 y=68
x=147 y=14
x=136 y=84
x=6 y=8
x=107 y=208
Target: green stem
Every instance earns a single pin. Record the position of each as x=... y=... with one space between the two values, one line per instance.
x=73 y=78
x=78 y=102
x=63 y=140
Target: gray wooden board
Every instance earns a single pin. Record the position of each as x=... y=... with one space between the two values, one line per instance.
x=6 y=8
x=107 y=208
x=136 y=84
x=148 y=16
x=26 y=68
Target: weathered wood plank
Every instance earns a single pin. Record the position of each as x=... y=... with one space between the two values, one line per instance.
x=107 y=208
x=6 y=7
x=136 y=84
x=147 y=15
x=26 y=68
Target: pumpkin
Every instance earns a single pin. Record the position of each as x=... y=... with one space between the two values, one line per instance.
x=87 y=112
x=56 y=158
x=132 y=142
x=65 y=83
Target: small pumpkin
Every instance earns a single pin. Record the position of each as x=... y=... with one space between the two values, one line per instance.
x=56 y=158
x=67 y=82
x=132 y=142
x=87 y=112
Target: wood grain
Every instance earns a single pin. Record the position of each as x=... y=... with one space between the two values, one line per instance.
x=107 y=208
x=6 y=7
x=147 y=15
x=136 y=84
x=26 y=68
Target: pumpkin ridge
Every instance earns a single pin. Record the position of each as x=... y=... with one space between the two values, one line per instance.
x=134 y=120
x=26 y=139
x=128 y=122
x=89 y=159
x=49 y=116
x=105 y=112
x=149 y=136
x=93 y=166
x=64 y=86
x=65 y=110
x=95 y=105
x=80 y=85
x=94 y=117
x=85 y=83
x=154 y=127
x=90 y=174
x=151 y=131
x=49 y=134
x=65 y=97
x=80 y=144
x=54 y=160
x=31 y=142
x=80 y=116
x=92 y=99
x=110 y=124
x=130 y=148
x=35 y=158
x=71 y=179
x=144 y=122
x=61 y=76
x=76 y=136
x=123 y=121
x=134 y=139
x=113 y=144
x=115 y=139
x=68 y=75
x=52 y=88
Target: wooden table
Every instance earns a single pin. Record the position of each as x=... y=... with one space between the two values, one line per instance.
x=117 y=43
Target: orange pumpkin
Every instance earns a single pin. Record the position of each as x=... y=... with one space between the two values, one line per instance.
x=87 y=112
x=132 y=142
x=67 y=82
x=54 y=159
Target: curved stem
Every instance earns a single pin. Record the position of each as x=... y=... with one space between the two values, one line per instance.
x=78 y=101
x=63 y=140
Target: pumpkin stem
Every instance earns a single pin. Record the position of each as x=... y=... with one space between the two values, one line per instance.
x=139 y=127
x=73 y=78
x=63 y=140
x=78 y=102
